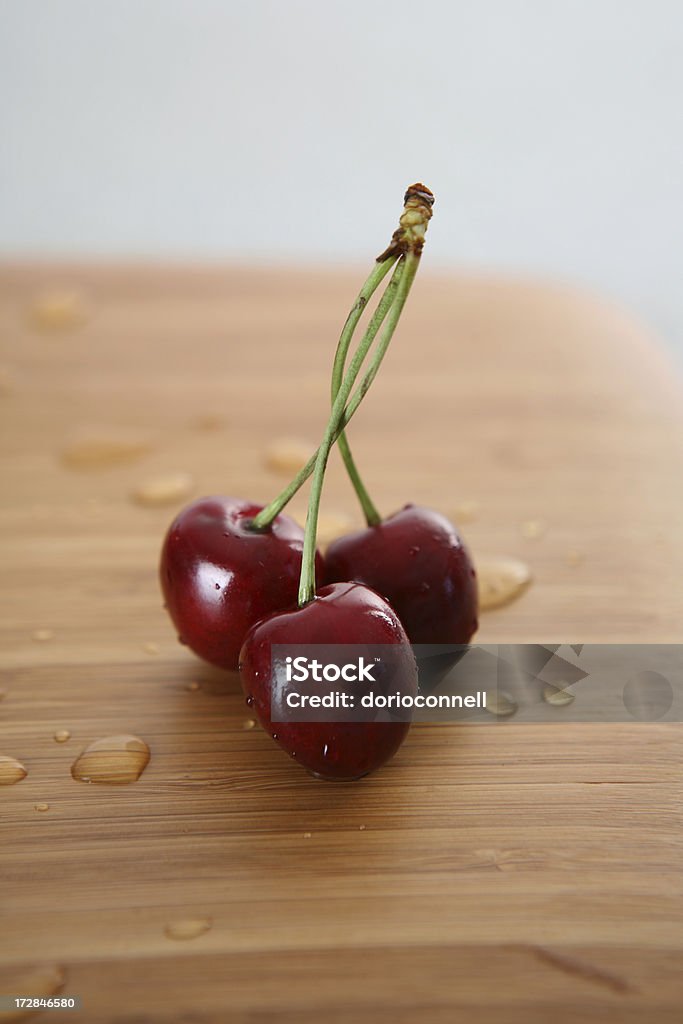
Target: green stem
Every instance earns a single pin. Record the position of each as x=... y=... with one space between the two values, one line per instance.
x=405 y=249
x=377 y=274
x=407 y=269
x=265 y=517
x=412 y=262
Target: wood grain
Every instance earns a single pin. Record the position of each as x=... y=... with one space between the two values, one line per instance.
x=512 y=873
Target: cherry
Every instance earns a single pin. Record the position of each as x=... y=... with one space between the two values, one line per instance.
x=417 y=561
x=219 y=576
x=343 y=613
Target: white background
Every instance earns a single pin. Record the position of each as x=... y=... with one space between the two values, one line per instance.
x=550 y=131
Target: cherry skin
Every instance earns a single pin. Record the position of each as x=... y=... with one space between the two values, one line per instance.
x=343 y=613
x=417 y=561
x=219 y=577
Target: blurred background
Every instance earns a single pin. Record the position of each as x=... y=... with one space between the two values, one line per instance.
x=285 y=130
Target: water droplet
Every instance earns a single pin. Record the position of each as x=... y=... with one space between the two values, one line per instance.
x=500 y=704
x=326 y=750
x=415 y=550
x=307 y=835
x=94 y=507
x=59 y=309
x=532 y=529
x=274 y=735
x=114 y=760
x=150 y=648
x=187 y=928
x=648 y=696
x=332 y=525
x=556 y=696
x=38 y=982
x=361 y=828
x=62 y=735
x=574 y=558
x=501 y=580
x=209 y=421
x=163 y=490
x=288 y=455
x=249 y=723
x=249 y=701
x=96 y=450
x=466 y=511
x=217 y=586
x=11 y=771
x=194 y=685
x=6 y=381
x=41 y=807
x=43 y=635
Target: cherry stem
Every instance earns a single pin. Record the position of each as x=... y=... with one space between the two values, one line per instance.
x=409 y=237
x=404 y=250
x=377 y=274
x=406 y=270
x=265 y=517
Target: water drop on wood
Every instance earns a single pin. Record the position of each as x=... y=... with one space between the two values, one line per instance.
x=187 y=928
x=466 y=512
x=7 y=386
x=62 y=735
x=113 y=760
x=532 y=529
x=37 y=982
x=42 y=806
x=288 y=455
x=99 y=450
x=501 y=581
x=11 y=771
x=500 y=704
x=332 y=525
x=59 y=309
x=167 y=489
x=43 y=635
x=558 y=697
x=209 y=421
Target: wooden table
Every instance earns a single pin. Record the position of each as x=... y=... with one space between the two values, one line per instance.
x=511 y=873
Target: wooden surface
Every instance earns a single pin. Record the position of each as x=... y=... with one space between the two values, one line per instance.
x=491 y=873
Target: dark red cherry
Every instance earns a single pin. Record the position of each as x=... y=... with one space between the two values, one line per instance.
x=219 y=577
x=417 y=561
x=344 y=613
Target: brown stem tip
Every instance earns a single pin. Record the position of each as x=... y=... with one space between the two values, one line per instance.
x=409 y=236
x=420 y=192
